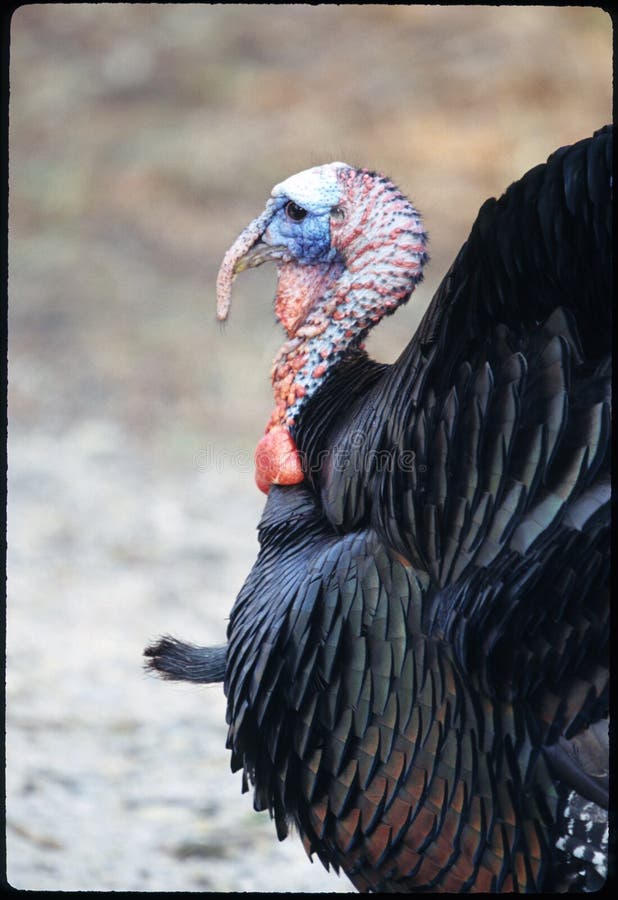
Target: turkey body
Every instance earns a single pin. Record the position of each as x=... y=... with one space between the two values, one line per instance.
x=417 y=665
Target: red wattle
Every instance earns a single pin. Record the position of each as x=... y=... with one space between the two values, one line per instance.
x=277 y=460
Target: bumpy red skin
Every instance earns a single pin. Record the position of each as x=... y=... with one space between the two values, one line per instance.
x=277 y=460
x=326 y=307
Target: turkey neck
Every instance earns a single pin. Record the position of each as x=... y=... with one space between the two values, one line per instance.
x=378 y=251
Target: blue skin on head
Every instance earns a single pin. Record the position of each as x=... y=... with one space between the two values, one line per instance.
x=308 y=240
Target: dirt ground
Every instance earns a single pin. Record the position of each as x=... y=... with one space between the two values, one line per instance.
x=142 y=139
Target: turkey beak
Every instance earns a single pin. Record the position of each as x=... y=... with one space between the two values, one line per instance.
x=260 y=253
x=247 y=251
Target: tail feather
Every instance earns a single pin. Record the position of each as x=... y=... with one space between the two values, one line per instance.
x=176 y=660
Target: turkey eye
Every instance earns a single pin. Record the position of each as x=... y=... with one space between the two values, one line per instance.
x=294 y=212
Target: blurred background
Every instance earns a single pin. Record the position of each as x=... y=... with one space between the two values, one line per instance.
x=143 y=138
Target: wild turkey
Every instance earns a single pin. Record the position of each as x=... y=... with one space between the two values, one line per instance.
x=417 y=665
